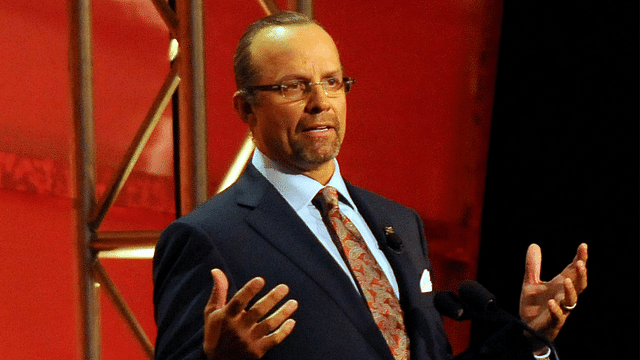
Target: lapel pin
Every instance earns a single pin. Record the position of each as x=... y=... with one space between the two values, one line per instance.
x=393 y=240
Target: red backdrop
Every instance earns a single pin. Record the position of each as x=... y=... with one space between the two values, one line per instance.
x=418 y=133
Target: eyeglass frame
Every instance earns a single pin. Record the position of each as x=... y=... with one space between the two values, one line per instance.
x=347 y=82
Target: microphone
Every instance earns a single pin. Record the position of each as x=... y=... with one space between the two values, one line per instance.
x=448 y=304
x=481 y=303
x=476 y=302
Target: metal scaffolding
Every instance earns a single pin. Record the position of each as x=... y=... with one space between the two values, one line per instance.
x=186 y=25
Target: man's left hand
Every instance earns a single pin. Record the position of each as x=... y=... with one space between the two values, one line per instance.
x=545 y=306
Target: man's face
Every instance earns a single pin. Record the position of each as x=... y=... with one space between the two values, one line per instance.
x=305 y=134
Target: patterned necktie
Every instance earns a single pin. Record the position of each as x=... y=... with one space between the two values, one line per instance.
x=375 y=286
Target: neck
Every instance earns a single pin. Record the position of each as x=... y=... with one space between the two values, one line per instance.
x=322 y=173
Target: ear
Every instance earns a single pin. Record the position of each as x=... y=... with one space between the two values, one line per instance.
x=243 y=107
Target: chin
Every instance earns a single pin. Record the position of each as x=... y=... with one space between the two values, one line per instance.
x=315 y=159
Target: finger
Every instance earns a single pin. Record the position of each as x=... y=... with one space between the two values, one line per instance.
x=581 y=278
x=266 y=303
x=556 y=313
x=570 y=295
x=532 y=264
x=582 y=253
x=219 y=292
x=241 y=299
x=279 y=335
x=577 y=270
x=278 y=318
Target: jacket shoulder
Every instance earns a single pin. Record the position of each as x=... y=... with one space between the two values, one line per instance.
x=377 y=201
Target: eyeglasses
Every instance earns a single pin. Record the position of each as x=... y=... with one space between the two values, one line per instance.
x=299 y=89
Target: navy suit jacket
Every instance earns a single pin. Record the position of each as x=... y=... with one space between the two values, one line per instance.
x=250 y=230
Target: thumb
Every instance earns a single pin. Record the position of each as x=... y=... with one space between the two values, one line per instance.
x=218 y=297
x=532 y=265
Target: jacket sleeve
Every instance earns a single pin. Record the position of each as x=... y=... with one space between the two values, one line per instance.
x=182 y=286
x=508 y=343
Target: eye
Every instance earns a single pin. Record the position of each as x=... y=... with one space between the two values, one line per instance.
x=333 y=82
x=292 y=85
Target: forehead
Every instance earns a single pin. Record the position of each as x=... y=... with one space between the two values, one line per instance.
x=294 y=50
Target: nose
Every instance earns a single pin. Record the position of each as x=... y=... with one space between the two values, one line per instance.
x=317 y=101
x=321 y=83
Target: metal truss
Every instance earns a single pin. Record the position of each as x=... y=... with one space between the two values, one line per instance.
x=186 y=25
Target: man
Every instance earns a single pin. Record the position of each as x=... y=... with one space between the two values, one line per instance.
x=284 y=285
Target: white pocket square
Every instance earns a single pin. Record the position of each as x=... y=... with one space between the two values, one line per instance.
x=425 y=282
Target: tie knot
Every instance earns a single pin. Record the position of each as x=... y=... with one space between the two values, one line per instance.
x=330 y=195
x=326 y=199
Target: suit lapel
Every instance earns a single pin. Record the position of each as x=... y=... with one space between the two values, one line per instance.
x=404 y=269
x=398 y=259
x=278 y=223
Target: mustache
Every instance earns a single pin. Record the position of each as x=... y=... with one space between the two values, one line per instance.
x=313 y=121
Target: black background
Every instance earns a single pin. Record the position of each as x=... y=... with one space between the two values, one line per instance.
x=563 y=165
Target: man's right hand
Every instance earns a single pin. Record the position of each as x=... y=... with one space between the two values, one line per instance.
x=231 y=331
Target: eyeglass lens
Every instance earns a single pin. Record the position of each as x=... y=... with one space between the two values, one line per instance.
x=300 y=88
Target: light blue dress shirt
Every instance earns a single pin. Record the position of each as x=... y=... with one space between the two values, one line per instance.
x=299 y=190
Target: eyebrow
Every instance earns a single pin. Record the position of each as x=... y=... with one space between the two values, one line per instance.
x=334 y=73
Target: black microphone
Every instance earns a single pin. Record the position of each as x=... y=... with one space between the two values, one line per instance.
x=479 y=303
x=482 y=304
x=448 y=304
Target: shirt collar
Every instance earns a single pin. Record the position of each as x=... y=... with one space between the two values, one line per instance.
x=297 y=189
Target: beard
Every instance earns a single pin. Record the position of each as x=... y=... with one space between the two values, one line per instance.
x=309 y=156
x=311 y=153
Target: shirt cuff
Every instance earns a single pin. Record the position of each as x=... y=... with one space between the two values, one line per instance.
x=546 y=356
